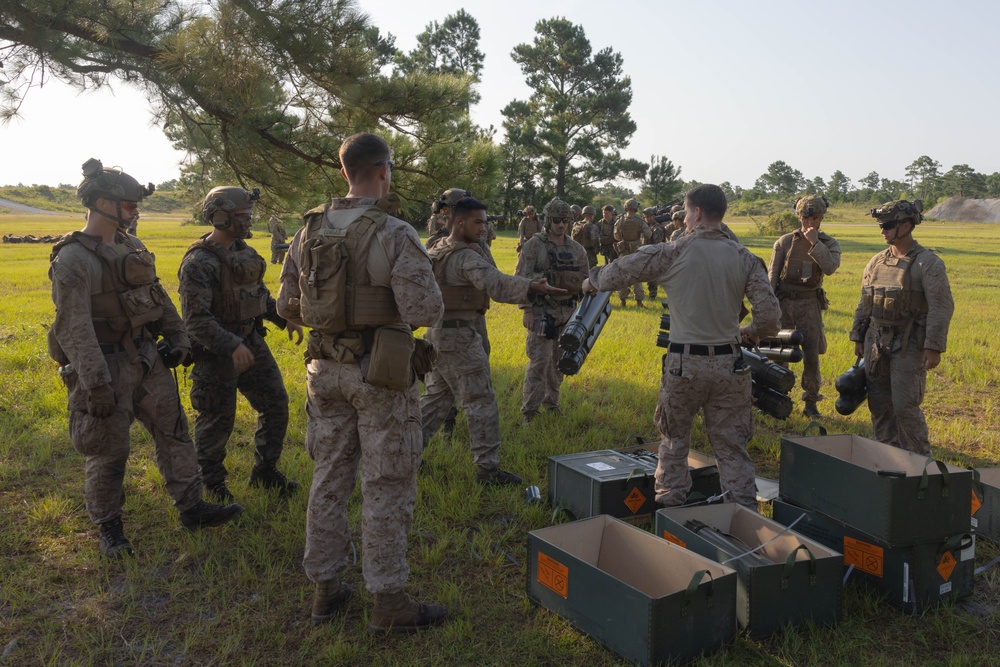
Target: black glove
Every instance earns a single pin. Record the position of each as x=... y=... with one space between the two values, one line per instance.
x=101 y=401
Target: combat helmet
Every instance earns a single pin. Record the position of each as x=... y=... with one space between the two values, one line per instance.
x=576 y=210
x=811 y=206
x=649 y=210
x=226 y=199
x=899 y=211
x=452 y=196
x=631 y=205
x=112 y=184
x=436 y=207
x=589 y=210
x=678 y=215
x=556 y=209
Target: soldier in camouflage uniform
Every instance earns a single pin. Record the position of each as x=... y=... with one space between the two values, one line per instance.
x=437 y=221
x=706 y=275
x=587 y=233
x=462 y=369
x=678 y=227
x=630 y=233
x=279 y=235
x=110 y=307
x=657 y=234
x=528 y=227
x=799 y=261
x=445 y=203
x=607 y=226
x=224 y=301
x=901 y=326
x=553 y=255
x=361 y=392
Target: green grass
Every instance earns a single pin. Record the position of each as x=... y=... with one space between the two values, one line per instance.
x=238 y=596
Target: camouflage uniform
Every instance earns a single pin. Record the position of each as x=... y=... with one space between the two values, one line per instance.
x=526 y=229
x=683 y=231
x=607 y=239
x=436 y=223
x=588 y=235
x=351 y=421
x=80 y=339
x=214 y=380
x=897 y=378
x=462 y=369
x=278 y=235
x=631 y=225
x=542 y=379
x=796 y=274
x=706 y=276
x=657 y=234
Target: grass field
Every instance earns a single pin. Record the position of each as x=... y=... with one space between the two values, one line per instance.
x=238 y=596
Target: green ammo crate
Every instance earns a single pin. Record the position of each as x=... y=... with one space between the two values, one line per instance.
x=645 y=599
x=801 y=584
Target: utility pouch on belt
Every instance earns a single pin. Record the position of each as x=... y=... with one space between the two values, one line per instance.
x=824 y=302
x=389 y=363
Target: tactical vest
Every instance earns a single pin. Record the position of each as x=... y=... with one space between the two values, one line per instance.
x=456 y=297
x=630 y=228
x=890 y=295
x=336 y=294
x=560 y=268
x=581 y=236
x=131 y=296
x=436 y=238
x=241 y=296
x=531 y=227
x=607 y=232
x=800 y=272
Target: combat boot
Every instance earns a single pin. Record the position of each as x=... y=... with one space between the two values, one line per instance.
x=220 y=493
x=114 y=544
x=330 y=597
x=206 y=515
x=811 y=411
x=266 y=476
x=496 y=477
x=530 y=416
x=398 y=612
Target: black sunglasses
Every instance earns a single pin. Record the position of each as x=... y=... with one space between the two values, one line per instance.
x=889 y=224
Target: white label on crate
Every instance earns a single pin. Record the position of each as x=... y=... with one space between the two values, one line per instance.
x=906 y=582
x=600 y=466
x=970 y=552
x=975 y=522
x=945 y=589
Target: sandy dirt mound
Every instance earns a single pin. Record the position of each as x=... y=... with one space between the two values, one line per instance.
x=961 y=209
x=21 y=209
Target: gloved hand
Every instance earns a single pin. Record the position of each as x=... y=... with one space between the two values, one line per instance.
x=101 y=401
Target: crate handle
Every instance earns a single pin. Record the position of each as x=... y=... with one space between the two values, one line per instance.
x=820 y=427
x=786 y=571
x=692 y=590
x=955 y=543
x=977 y=484
x=924 y=482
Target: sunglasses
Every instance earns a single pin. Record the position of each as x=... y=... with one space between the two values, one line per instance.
x=129 y=205
x=886 y=226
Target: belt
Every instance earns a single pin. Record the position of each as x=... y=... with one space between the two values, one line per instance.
x=456 y=324
x=703 y=350
x=810 y=294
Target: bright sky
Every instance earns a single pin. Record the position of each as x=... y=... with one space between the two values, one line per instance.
x=723 y=88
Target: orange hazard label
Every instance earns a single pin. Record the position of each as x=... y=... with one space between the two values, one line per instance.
x=863 y=556
x=553 y=575
x=673 y=538
x=946 y=566
x=635 y=500
x=976 y=503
